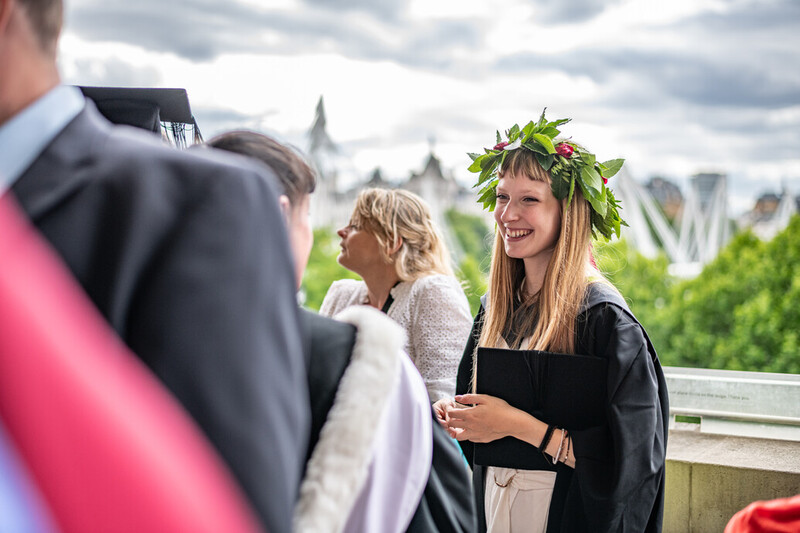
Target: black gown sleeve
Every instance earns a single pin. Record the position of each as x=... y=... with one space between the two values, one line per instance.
x=619 y=474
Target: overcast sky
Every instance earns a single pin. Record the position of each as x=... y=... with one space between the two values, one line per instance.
x=673 y=87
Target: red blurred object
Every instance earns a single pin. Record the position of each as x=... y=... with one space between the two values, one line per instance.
x=773 y=516
x=105 y=443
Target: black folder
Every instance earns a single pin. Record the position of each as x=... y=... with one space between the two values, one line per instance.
x=566 y=390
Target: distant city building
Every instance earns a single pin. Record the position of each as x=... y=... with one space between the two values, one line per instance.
x=329 y=205
x=771 y=214
x=667 y=194
x=440 y=190
x=706 y=184
x=766 y=206
x=332 y=206
x=377 y=181
x=431 y=183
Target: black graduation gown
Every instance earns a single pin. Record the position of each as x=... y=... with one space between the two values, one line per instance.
x=444 y=506
x=618 y=481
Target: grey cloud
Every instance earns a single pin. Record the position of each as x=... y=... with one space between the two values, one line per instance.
x=753 y=15
x=694 y=79
x=201 y=30
x=112 y=73
x=439 y=125
x=575 y=11
x=197 y=29
x=712 y=85
x=215 y=120
x=430 y=45
x=741 y=58
x=385 y=9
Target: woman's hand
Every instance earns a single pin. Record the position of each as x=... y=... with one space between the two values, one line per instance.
x=441 y=408
x=488 y=419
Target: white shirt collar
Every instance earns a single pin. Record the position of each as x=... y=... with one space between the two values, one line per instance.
x=27 y=134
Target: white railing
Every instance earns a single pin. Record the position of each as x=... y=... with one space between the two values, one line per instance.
x=751 y=404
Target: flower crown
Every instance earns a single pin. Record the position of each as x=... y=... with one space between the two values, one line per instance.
x=568 y=164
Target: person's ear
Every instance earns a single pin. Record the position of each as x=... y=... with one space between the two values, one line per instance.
x=286 y=205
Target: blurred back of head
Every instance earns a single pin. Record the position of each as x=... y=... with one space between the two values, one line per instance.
x=296 y=177
x=45 y=18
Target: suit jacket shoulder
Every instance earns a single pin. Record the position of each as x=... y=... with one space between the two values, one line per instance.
x=90 y=153
x=186 y=257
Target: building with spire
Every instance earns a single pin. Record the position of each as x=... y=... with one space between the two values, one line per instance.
x=321 y=148
x=331 y=205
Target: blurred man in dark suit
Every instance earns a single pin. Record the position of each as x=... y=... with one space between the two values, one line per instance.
x=184 y=254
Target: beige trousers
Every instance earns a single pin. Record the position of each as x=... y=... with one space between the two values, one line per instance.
x=517 y=501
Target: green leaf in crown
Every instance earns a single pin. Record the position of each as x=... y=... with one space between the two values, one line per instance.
x=569 y=165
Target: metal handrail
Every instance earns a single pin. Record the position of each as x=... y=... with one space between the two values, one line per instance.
x=744 y=417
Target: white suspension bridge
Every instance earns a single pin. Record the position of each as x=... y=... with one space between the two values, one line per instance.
x=703 y=229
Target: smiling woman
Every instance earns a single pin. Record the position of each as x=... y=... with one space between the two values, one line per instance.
x=541 y=461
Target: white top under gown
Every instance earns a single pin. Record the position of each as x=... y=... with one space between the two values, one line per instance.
x=435 y=314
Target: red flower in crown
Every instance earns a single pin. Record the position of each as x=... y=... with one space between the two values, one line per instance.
x=605 y=180
x=500 y=146
x=564 y=150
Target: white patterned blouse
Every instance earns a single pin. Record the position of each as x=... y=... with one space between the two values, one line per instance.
x=435 y=314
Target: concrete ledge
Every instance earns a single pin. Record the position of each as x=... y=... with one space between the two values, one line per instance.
x=711 y=477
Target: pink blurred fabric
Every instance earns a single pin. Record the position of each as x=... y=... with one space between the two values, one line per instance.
x=773 y=516
x=108 y=447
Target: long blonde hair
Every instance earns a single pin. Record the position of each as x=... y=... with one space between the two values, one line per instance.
x=558 y=302
x=398 y=216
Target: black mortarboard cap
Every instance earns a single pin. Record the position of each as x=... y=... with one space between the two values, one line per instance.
x=144 y=108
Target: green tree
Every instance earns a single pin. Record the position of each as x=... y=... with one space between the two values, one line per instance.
x=645 y=283
x=473 y=280
x=323 y=269
x=475 y=239
x=741 y=312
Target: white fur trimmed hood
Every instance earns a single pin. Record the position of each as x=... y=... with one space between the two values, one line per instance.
x=339 y=465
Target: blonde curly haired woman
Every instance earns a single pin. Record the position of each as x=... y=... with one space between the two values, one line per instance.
x=393 y=244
